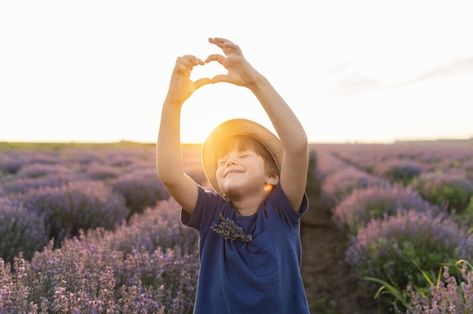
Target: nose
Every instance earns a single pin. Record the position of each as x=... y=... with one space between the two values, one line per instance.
x=229 y=162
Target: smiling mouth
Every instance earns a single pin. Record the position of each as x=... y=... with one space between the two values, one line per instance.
x=234 y=171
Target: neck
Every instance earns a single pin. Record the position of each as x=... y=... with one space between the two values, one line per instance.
x=248 y=205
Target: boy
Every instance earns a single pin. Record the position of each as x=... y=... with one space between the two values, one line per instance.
x=249 y=226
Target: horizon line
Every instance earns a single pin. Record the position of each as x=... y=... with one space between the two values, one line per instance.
x=200 y=143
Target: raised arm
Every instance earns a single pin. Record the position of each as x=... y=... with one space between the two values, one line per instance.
x=168 y=148
x=295 y=163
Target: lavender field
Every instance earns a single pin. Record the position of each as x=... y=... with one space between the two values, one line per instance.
x=91 y=229
x=399 y=217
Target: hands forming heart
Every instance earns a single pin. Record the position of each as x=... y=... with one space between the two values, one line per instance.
x=240 y=72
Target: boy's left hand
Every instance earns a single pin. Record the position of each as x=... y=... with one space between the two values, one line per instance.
x=240 y=72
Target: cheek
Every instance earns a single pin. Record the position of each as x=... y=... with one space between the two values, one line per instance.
x=219 y=172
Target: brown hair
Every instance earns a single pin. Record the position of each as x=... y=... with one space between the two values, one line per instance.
x=244 y=142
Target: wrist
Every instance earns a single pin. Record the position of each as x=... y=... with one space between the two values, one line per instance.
x=258 y=82
x=172 y=103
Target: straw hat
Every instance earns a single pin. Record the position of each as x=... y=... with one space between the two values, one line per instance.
x=237 y=127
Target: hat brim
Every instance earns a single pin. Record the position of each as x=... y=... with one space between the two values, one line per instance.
x=237 y=127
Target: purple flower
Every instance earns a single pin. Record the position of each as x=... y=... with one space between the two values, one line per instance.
x=228 y=229
x=399 y=169
x=341 y=183
x=362 y=205
x=99 y=171
x=141 y=188
x=20 y=230
x=451 y=189
x=446 y=296
x=387 y=249
x=36 y=170
x=74 y=206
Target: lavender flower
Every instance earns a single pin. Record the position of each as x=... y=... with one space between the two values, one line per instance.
x=35 y=170
x=80 y=204
x=362 y=205
x=12 y=161
x=399 y=169
x=22 y=185
x=99 y=171
x=447 y=296
x=228 y=229
x=387 y=249
x=341 y=183
x=20 y=230
x=140 y=188
x=328 y=164
x=91 y=274
x=451 y=188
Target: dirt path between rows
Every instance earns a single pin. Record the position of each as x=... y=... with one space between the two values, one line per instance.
x=329 y=284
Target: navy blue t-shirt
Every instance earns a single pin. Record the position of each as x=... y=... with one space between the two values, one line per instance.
x=259 y=276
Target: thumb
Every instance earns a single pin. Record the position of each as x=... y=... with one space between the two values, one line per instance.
x=201 y=82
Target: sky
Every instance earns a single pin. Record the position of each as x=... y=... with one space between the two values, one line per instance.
x=351 y=71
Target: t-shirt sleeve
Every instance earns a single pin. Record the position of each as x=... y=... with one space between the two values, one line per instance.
x=208 y=202
x=284 y=209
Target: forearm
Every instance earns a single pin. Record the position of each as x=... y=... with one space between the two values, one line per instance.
x=288 y=127
x=168 y=148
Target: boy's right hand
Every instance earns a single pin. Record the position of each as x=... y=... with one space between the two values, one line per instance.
x=181 y=87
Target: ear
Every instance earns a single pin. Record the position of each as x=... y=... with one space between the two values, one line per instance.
x=273 y=180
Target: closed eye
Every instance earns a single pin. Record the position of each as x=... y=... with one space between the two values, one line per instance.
x=223 y=161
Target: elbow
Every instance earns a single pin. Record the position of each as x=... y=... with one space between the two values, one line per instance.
x=161 y=175
x=165 y=180
x=168 y=178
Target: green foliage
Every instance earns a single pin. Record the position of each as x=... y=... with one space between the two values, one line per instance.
x=313 y=183
x=399 y=297
x=451 y=191
x=453 y=196
x=466 y=217
x=393 y=251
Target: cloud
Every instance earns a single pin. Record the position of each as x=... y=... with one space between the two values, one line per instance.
x=457 y=66
x=347 y=82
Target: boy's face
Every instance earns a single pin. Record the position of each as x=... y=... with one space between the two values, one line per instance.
x=240 y=173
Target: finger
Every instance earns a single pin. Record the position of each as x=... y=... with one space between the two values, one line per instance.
x=184 y=61
x=193 y=60
x=216 y=57
x=223 y=40
x=180 y=68
x=231 y=46
x=216 y=40
x=220 y=41
x=227 y=46
x=201 y=82
x=220 y=78
x=190 y=58
x=217 y=43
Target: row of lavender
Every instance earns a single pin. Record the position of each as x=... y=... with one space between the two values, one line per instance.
x=147 y=265
x=398 y=240
x=46 y=195
x=442 y=172
x=130 y=254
